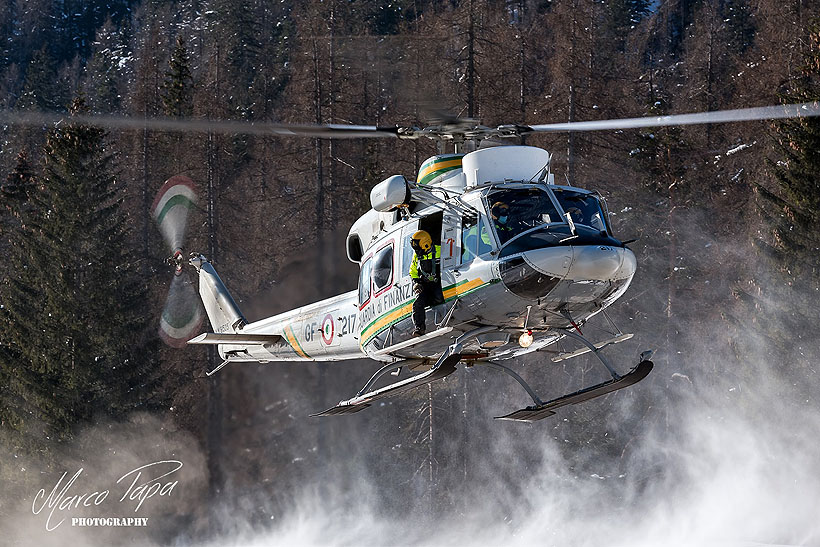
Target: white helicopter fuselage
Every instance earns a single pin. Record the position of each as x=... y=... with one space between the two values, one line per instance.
x=553 y=266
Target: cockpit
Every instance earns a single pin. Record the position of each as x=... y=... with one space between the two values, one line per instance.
x=518 y=210
x=528 y=216
x=584 y=208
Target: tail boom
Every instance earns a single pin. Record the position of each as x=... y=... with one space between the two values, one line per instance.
x=322 y=331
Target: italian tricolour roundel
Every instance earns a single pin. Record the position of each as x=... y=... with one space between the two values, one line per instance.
x=328 y=329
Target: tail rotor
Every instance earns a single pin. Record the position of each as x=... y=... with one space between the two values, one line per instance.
x=182 y=315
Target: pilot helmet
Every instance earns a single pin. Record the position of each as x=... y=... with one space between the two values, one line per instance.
x=500 y=211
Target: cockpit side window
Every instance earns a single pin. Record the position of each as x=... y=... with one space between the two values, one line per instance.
x=469 y=237
x=475 y=238
x=583 y=208
x=518 y=210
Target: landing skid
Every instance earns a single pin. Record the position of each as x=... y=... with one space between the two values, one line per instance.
x=444 y=366
x=543 y=410
x=362 y=401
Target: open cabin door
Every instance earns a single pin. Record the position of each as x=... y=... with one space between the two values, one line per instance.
x=450 y=247
x=406 y=251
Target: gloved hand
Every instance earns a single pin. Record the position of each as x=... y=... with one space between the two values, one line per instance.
x=417 y=289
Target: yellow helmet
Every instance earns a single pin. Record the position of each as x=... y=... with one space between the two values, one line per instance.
x=422 y=241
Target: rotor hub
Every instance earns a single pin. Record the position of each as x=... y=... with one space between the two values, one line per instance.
x=177 y=261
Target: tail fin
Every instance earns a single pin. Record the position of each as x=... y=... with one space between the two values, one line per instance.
x=222 y=311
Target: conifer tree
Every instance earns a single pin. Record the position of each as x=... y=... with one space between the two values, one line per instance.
x=177 y=102
x=14 y=193
x=623 y=16
x=19 y=182
x=793 y=209
x=42 y=89
x=104 y=71
x=786 y=286
x=72 y=323
x=177 y=95
x=14 y=203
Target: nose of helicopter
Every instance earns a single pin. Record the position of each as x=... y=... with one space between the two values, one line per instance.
x=584 y=262
x=602 y=263
x=535 y=273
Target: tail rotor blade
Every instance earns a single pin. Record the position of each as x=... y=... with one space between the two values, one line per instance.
x=171 y=207
x=182 y=316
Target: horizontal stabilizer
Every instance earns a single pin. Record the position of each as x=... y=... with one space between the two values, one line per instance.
x=533 y=413
x=213 y=338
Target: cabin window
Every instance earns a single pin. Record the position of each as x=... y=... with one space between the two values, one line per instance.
x=383 y=268
x=475 y=238
x=519 y=210
x=583 y=208
x=484 y=242
x=364 y=282
x=406 y=256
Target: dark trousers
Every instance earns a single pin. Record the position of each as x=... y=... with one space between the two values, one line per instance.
x=430 y=295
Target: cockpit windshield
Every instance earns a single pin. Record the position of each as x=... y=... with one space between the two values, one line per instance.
x=583 y=208
x=515 y=211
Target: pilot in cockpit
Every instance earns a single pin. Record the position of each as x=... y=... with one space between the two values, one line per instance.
x=576 y=215
x=501 y=217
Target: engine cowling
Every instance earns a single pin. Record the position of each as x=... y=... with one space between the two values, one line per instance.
x=389 y=194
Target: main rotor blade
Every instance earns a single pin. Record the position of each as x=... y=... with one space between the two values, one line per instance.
x=228 y=127
x=718 y=116
x=459 y=126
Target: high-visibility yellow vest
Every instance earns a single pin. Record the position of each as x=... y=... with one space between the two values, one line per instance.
x=424 y=267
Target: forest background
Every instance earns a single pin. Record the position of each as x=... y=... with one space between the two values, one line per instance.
x=724 y=217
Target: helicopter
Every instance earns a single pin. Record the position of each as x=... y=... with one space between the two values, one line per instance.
x=506 y=291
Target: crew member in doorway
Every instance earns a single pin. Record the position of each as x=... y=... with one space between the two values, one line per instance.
x=425 y=270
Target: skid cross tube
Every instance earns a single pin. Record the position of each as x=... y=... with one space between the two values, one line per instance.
x=593 y=349
x=454 y=348
x=219 y=367
x=384 y=370
x=446 y=320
